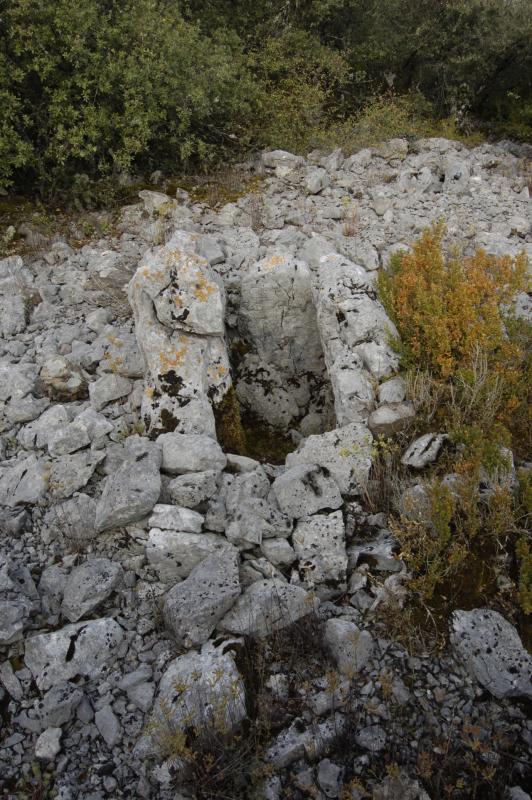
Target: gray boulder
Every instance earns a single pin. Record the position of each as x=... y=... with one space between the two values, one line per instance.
x=254 y=520
x=211 y=695
x=13 y=615
x=63 y=381
x=389 y=419
x=88 y=586
x=48 y=745
x=175 y=518
x=83 y=648
x=72 y=520
x=319 y=542
x=24 y=482
x=189 y=452
x=492 y=652
x=107 y=389
x=267 y=606
x=305 y=489
x=71 y=473
x=423 y=450
x=132 y=491
x=174 y=554
x=193 y=489
x=58 y=705
x=350 y=647
x=345 y=452
x=193 y=608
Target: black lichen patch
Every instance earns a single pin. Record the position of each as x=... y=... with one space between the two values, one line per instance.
x=172 y=383
x=168 y=421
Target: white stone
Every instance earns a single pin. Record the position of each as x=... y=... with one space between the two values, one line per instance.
x=48 y=745
x=267 y=606
x=190 y=452
x=305 y=489
x=319 y=542
x=174 y=554
x=351 y=647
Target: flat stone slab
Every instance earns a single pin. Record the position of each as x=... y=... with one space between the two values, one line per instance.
x=83 y=648
x=492 y=652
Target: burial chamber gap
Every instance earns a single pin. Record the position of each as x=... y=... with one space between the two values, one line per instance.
x=298 y=350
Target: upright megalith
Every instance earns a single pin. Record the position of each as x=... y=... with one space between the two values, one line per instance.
x=179 y=307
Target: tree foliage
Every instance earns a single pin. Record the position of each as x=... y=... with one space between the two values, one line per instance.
x=104 y=86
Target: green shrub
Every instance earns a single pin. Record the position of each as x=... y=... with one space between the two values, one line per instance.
x=300 y=81
x=468 y=376
x=99 y=87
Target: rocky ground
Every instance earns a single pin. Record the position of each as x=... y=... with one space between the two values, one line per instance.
x=158 y=592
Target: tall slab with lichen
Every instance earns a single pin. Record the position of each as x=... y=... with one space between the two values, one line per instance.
x=179 y=306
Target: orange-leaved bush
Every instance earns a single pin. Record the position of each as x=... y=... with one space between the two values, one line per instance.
x=447 y=308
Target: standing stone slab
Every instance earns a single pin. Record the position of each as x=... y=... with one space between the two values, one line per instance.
x=179 y=305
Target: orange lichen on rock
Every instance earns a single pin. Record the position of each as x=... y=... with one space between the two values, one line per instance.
x=169 y=361
x=203 y=289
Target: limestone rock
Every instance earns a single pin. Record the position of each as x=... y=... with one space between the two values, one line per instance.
x=107 y=389
x=267 y=606
x=193 y=489
x=13 y=615
x=319 y=542
x=179 y=307
x=62 y=381
x=174 y=554
x=73 y=520
x=211 y=693
x=132 y=491
x=108 y=725
x=305 y=489
x=389 y=419
x=83 y=648
x=278 y=551
x=351 y=647
x=492 y=652
x=16 y=381
x=58 y=705
x=48 y=745
x=277 y=315
x=423 y=450
x=190 y=452
x=392 y=391
x=87 y=428
x=23 y=482
x=256 y=519
x=71 y=473
x=175 y=518
x=345 y=452
x=193 y=608
x=88 y=586
x=260 y=387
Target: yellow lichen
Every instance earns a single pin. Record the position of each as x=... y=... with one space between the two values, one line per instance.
x=169 y=361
